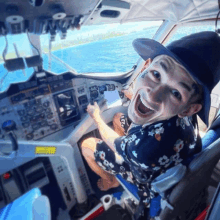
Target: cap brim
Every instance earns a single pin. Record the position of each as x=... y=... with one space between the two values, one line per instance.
x=148 y=48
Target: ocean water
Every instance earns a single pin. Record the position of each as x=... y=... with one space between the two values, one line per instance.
x=110 y=55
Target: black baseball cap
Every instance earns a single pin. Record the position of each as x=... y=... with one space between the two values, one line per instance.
x=200 y=55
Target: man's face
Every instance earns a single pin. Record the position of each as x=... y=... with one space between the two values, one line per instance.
x=161 y=91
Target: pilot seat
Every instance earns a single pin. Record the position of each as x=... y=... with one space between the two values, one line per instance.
x=182 y=190
x=30 y=206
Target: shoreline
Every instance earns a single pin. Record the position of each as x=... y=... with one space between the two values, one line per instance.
x=109 y=36
x=61 y=46
x=83 y=43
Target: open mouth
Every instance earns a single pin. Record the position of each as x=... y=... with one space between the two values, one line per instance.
x=142 y=108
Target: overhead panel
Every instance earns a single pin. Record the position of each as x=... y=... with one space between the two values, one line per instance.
x=38 y=16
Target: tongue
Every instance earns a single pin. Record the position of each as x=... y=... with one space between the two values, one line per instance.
x=143 y=109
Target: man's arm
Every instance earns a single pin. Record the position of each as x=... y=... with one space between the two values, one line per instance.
x=108 y=135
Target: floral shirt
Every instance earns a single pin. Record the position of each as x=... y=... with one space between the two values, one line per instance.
x=159 y=146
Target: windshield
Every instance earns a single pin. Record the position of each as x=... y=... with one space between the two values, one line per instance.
x=24 y=50
x=100 y=48
x=92 y=49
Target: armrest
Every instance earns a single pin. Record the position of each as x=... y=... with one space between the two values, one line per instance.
x=168 y=179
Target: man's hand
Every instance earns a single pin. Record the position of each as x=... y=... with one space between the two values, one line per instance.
x=128 y=92
x=94 y=111
x=108 y=134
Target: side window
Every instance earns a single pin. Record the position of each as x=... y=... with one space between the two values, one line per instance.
x=215 y=96
x=187 y=30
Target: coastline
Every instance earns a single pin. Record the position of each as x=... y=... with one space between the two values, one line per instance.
x=60 y=45
x=69 y=43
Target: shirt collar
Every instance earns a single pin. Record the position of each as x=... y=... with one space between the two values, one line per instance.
x=145 y=125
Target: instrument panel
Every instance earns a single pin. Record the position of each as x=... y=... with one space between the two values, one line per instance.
x=48 y=103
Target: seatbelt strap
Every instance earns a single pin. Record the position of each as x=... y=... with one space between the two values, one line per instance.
x=140 y=208
x=165 y=203
x=198 y=147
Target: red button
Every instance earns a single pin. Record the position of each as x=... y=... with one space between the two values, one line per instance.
x=6 y=176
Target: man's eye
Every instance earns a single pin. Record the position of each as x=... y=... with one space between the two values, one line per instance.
x=156 y=74
x=176 y=94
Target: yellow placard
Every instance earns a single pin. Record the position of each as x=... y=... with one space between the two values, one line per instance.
x=45 y=150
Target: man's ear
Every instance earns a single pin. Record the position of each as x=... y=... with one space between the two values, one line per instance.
x=146 y=64
x=193 y=109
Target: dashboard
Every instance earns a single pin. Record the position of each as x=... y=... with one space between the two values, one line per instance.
x=48 y=103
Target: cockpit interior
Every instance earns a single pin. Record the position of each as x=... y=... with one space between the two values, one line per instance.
x=44 y=119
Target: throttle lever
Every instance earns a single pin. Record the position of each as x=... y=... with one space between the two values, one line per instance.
x=101 y=103
x=84 y=125
x=9 y=126
x=13 y=139
x=92 y=102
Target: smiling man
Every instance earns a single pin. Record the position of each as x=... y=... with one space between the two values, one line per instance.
x=167 y=94
x=163 y=90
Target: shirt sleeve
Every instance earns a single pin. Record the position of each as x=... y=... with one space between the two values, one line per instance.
x=120 y=145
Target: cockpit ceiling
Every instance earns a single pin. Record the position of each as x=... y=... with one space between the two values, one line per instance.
x=19 y=16
x=173 y=10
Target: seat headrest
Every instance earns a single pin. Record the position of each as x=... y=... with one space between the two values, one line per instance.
x=41 y=208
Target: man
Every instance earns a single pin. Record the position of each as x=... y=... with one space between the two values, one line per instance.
x=175 y=83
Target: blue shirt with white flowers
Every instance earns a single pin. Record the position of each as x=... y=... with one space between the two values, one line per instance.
x=159 y=146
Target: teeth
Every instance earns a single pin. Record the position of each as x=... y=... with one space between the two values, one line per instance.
x=144 y=104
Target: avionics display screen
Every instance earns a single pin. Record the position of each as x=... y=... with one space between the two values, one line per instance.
x=67 y=107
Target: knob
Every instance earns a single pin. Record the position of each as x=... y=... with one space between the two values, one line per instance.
x=36 y=3
x=54 y=126
x=46 y=104
x=9 y=125
x=29 y=136
x=24 y=118
x=42 y=115
x=21 y=112
x=49 y=116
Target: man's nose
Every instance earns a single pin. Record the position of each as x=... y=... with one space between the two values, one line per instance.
x=157 y=93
